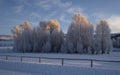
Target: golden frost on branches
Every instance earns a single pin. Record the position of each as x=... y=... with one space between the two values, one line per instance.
x=54 y=25
x=79 y=18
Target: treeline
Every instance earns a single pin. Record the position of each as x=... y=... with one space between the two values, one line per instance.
x=48 y=37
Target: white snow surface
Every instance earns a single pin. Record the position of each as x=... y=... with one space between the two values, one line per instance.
x=17 y=68
x=111 y=56
x=31 y=66
x=6 y=49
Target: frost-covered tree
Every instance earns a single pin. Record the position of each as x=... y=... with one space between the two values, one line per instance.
x=35 y=40
x=55 y=35
x=53 y=26
x=23 y=37
x=79 y=47
x=17 y=37
x=64 y=47
x=48 y=37
x=27 y=37
x=80 y=34
x=40 y=35
x=46 y=47
x=103 y=39
x=91 y=38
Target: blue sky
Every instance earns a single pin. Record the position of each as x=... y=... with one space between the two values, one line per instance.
x=15 y=12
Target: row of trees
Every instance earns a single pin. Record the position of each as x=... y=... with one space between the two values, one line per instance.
x=48 y=37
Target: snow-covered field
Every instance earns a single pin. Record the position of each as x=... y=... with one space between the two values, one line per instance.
x=17 y=68
x=7 y=49
x=115 y=56
x=31 y=66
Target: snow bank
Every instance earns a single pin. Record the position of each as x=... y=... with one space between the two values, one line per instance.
x=6 y=49
x=43 y=69
x=8 y=72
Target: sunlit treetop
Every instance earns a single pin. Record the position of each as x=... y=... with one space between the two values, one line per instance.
x=54 y=22
x=53 y=25
x=79 y=18
x=103 y=22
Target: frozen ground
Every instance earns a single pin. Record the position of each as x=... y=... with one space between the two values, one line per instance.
x=114 y=56
x=9 y=72
x=30 y=66
x=17 y=68
x=4 y=49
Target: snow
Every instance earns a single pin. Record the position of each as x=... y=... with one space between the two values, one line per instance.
x=17 y=68
x=31 y=66
x=8 y=72
x=111 y=56
x=115 y=56
x=6 y=49
x=6 y=43
x=116 y=49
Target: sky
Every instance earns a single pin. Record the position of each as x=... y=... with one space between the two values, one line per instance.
x=16 y=12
